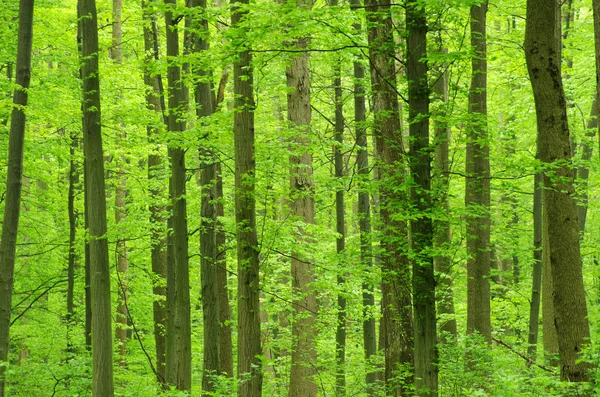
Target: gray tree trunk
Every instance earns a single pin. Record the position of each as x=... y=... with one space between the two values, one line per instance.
x=249 y=346
x=570 y=311
x=12 y=206
x=396 y=329
x=425 y=334
x=179 y=339
x=477 y=189
x=302 y=208
x=102 y=375
x=156 y=181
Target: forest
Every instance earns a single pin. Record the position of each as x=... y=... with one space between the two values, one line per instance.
x=299 y=198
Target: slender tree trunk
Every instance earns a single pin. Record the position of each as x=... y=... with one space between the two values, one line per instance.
x=397 y=332
x=102 y=376
x=596 y=14
x=477 y=189
x=73 y=215
x=425 y=334
x=179 y=339
x=364 y=215
x=442 y=232
x=87 y=287
x=12 y=206
x=225 y=340
x=340 y=333
x=208 y=212
x=583 y=172
x=249 y=347
x=536 y=289
x=122 y=316
x=570 y=311
x=302 y=206
x=156 y=179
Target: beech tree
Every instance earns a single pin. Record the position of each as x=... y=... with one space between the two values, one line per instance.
x=10 y=225
x=570 y=309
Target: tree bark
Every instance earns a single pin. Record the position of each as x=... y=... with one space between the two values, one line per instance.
x=536 y=288
x=208 y=210
x=397 y=331
x=442 y=233
x=156 y=180
x=122 y=315
x=340 y=211
x=73 y=215
x=477 y=189
x=302 y=207
x=425 y=334
x=102 y=376
x=10 y=225
x=542 y=51
x=249 y=346
x=179 y=339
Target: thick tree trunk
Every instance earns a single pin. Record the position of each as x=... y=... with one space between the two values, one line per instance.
x=208 y=212
x=102 y=376
x=570 y=310
x=340 y=333
x=302 y=207
x=179 y=339
x=397 y=332
x=156 y=181
x=10 y=225
x=425 y=334
x=477 y=189
x=249 y=346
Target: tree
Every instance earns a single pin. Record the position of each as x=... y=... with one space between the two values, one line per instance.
x=179 y=339
x=102 y=375
x=477 y=188
x=396 y=329
x=208 y=210
x=442 y=236
x=249 y=348
x=421 y=227
x=543 y=64
x=122 y=317
x=10 y=225
x=302 y=210
x=155 y=103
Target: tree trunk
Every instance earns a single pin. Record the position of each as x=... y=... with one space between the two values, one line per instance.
x=179 y=339
x=208 y=212
x=225 y=342
x=442 y=233
x=583 y=172
x=249 y=346
x=102 y=376
x=156 y=180
x=10 y=225
x=397 y=332
x=477 y=189
x=73 y=215
x=122 y=315
x=340 y=333
x=570 y=311
x=536 y=289
x=302 y=207
x=425 y=334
